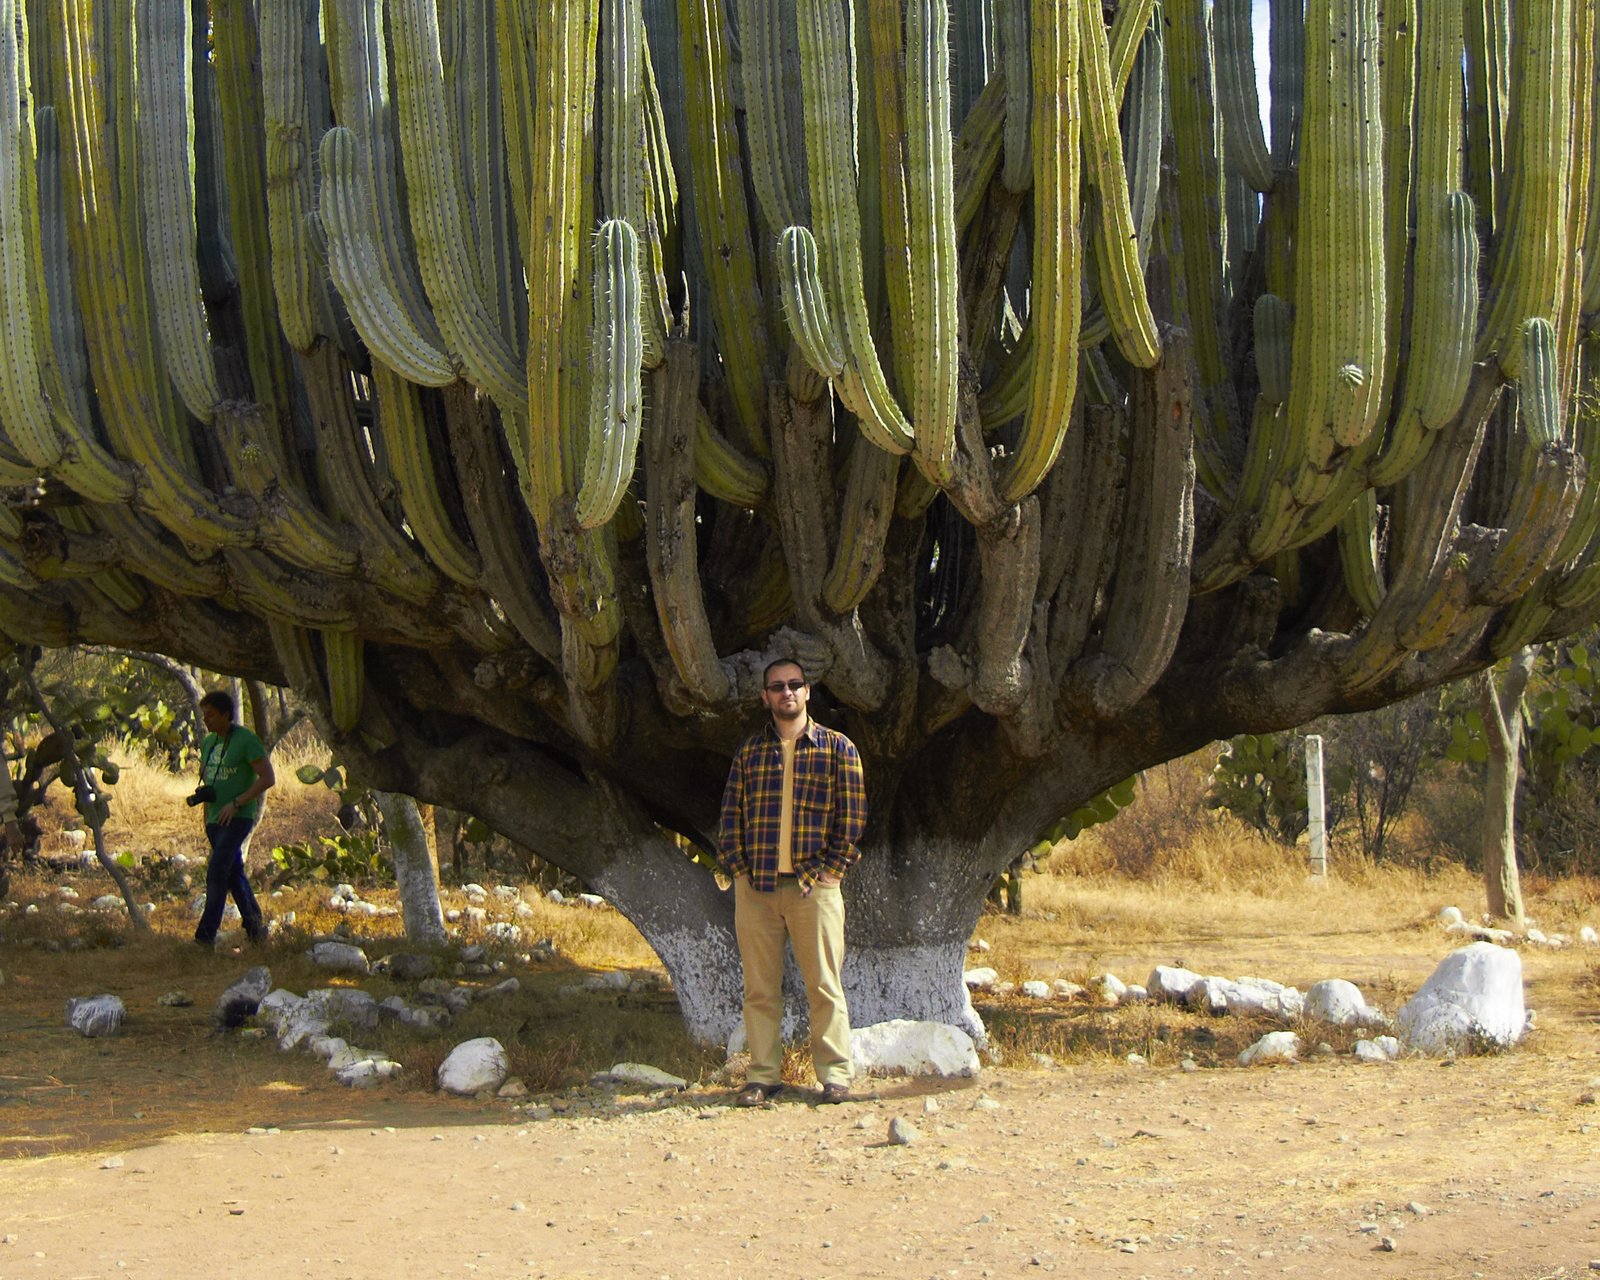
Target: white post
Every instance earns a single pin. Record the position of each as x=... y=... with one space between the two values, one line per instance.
x=1314 y=807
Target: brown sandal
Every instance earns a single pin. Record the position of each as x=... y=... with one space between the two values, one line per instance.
x=755 y=1095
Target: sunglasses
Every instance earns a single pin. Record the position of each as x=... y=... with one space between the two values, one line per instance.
x=793 y=686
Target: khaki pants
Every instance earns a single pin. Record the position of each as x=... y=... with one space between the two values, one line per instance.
x=815 y=925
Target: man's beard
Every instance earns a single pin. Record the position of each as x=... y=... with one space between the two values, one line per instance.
x=780 y=714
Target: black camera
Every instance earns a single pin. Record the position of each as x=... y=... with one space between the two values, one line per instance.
x=205 y=793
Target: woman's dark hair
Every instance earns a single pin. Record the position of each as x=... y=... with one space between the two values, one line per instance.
x=219 y=701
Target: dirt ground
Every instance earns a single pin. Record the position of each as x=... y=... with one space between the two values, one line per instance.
x=170 y=1152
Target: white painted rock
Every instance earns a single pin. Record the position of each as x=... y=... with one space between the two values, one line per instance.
x=1536 y=936
x=505 y=893
x=1369 y=1051
x=903 y=1047
x=1588 y=936
x=474 y=1065
x=1210 y=995
x=240 y=1001
x=1449 y=915
x=1273 y=1048
x=1135 y=994
x=300 y=1024
x=591 y=900
x=555 y=896
x=107 y=902
x=643 y=1073
x=1341 y=1004
x=96 y=1015
x=1066 y=990
x=1109 y=987
x=980 y=979
x=1262 y=996
x=275 y=1007
x=1388 y=1044
x=339 y=956
x=346 y=1004
x=474 y=890
x=1475 y=993
x=508 y=933
x=1482 y=932
x=477 y=917
x=1169 y=983
x=1036 y=990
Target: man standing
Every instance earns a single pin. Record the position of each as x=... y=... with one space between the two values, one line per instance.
x=792 y=812
x=234 y=772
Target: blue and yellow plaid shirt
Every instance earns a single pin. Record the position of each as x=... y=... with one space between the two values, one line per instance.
x=830 y=807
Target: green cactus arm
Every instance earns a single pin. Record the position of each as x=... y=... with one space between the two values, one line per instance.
x=1529 y=272
x=237 y=46
x=1488 y=84
x=166 y=143
x=769 y=125
x=563 y=40
x=389 y=559
x=1129 y=29
x=1057 y=255
x=978 y=148
x=514 y=48
x=972 y=42
x=1570 y=330
x=1591 y=241
x=359 y=268
x=1197 y=138
x=1539 y=387
x=1340 y=306
x=289 y=39
x=626 y=160
x=880 y=144
x=1286 y=77
x=121 y=357
x=1358 y=553
x=1263 y=457
x=405 y=439
x=829 y=90
x=934 y=329
x=616 y=398
x=1234 y=44
x=1542 y=506
x=345 y=654
x=438 y=206
x=359 y=58
x=672 y=439
x=1144 y=112
x=722 y=217
x=1008 y=395
x=1445 y=275
x=864 y=518
x=805 y=302
x=1016 y=75
x=271 y=590
x=1400 y=65
x=724 y=472
x=661 y=193
x=1116 y=240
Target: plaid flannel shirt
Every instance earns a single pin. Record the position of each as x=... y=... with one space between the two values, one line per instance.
x=830 y=807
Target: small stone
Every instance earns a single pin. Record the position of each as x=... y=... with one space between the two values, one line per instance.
x=980 y=979
x=1273 y=1048
x=513 y=1088
x=650 y=1077
x=1420 y=1210
x=1188 y=1064
x=474 y=1065
x=240 y=1001
x=339 y=956
x=1066 y=990
x=977 y=944
x=176 y=1000
x=1109 y=988
x=517 y=1206
x=929 y=1106
x=1387 y=1244
x=986 y=1104
x=1135 y=1060
x=1043 y=1060
x=111 y=1162
x=96 y=1015
x=902 y=1133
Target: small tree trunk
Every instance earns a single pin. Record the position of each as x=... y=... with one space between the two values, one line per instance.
x=259 y=719
x=1502 y=731
x=413 y=869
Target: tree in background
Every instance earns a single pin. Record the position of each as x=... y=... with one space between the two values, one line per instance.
x=514 y=380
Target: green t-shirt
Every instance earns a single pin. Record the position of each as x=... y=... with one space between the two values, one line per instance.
x=225 y=764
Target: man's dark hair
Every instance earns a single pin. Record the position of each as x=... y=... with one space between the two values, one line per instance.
x=219 y=701
x=783 y=662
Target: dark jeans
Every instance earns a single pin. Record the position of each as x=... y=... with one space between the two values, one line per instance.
x=225 y=875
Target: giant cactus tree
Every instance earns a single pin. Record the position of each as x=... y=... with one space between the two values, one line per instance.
x=515 y=377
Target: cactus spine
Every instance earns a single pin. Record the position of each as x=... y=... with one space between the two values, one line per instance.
x=616 y=398
x=1056 y=251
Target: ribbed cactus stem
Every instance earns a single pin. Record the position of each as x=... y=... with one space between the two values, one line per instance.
x=616 y=399
x=934 y=357
x=722 y=217
x=166 y=141
x=805 y=303
x=1274 y=334
x=1443 y=330
x=1234 y=43
x=1056 y=250
x=411 y=457
x=863 y=526
x=359 y=268
x=1530 y=266
x=1340 y=308
x=347 y=677
x=1287 y=61
x=24 y=406
x=978 y=149
x=1539 y=387
x=1358 y=553
x=769 y=125
x=724 y=472
x=438 y=205
x=1128 y=32
x=1144 y=115
x=830 y=94
x=1016 y=70
x=1116 y=242
x=288 y=39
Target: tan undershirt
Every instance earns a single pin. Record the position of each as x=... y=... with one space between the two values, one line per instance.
x=786 y=812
